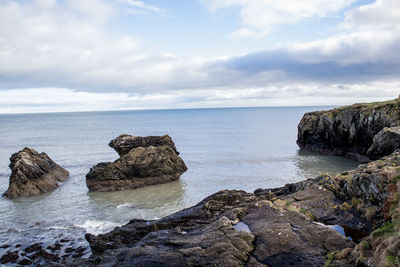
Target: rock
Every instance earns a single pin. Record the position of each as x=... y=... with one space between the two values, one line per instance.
x=288 y=226
x=384 y=142
x=348 y=131
x=206 y=235
x=33 y=173
x=9 y=257
x=140 y=166
x=125 y=143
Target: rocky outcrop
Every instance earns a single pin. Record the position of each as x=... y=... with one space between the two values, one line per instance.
x=350 y=131
x=229 y=228
x=385 y=142
x=150 y=160
x=125 y=143
x=33 y=173
x=295 y=225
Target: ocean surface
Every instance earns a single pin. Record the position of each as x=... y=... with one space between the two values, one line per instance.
x=240 y=148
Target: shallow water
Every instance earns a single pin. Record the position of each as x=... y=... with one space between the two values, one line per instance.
x=244 y=149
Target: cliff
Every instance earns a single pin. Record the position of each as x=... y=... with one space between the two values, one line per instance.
x=356 y=131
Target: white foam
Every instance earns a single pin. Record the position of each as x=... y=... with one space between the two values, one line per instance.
x=125 y=205
x=98 y=227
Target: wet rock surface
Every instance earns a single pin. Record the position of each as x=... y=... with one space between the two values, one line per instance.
x=206 y=235
x=38 y=254
x=349 y=131
x=33 y=173
x=150 y=160
x=294 y=225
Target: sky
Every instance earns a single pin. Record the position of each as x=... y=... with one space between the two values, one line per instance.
x=74 y=55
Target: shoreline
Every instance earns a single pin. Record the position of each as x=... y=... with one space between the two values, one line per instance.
x=298 y=223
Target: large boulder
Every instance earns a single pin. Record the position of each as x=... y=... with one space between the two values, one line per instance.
x=125 y=143
x=149 y=161
x=350 y=130
x=385 y=142
x=33 y=173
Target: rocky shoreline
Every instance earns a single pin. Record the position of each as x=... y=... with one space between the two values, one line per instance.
x=351 y=219
x=288 y=226
x=361 y=131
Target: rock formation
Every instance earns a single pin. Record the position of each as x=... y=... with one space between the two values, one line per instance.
x=144 y=161
x=385 y=142
x=350 y=131
x=287 y=226
x=125 y=143
x=33 y=173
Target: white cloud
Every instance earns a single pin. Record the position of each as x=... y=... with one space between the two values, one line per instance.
x=280 y=94
x=354 y=48
x=141 y=5
x=68 y=46
x=260 y=17
x=379 y=15
x=50 y=45
x=141 y=8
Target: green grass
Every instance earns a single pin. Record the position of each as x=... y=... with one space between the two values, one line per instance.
x=386 y=229
x=392 y=260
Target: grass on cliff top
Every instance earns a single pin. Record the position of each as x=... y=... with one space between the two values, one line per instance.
x=366 y=106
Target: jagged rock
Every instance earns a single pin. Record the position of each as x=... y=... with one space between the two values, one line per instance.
x=208 y=235
x=385 y=142
x=286 y=226
x=125 y=143
x=140 y=166
x=348 y=131
x=33 y=173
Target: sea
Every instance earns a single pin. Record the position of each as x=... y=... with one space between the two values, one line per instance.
x=227 y=148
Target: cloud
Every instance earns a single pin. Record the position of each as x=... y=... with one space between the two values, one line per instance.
x=379 y=15
x=281 y=94
x=67 y=54
x=141 y=5
x=260 y=17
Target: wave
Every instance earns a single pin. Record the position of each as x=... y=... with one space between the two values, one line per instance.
x=97 y=227
x=126 y=205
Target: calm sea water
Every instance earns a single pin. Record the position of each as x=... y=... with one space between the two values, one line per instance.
x=246 y=148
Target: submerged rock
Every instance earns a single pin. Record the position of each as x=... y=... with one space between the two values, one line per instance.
x=349 y=131
x=150 y=160
x=33 y=173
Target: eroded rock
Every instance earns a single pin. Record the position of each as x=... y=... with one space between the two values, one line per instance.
x=141 y=166
x=33 y=173
x=348 y=131
x=125 y=143
x=293 y=225
x=384 y=142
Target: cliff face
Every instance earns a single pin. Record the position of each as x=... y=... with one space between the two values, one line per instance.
x=349 y=131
